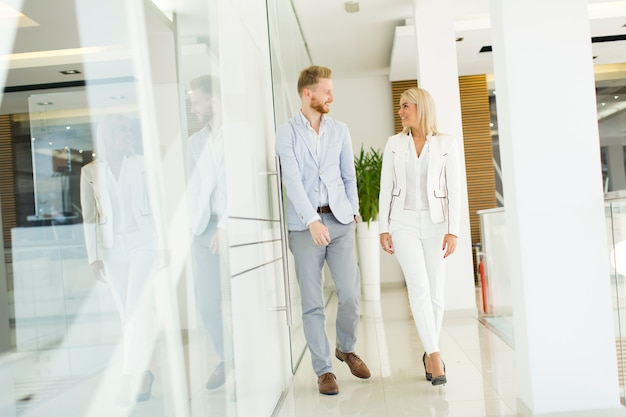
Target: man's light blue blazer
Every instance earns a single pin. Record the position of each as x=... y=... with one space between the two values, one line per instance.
x=302 y=172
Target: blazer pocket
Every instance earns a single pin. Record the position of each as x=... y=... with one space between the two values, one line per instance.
x=440 y=193
x=145 y=209
x=441 y=196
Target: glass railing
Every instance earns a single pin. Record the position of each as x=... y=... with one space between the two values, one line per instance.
x=496 y=310
x=615 y=213
x=494 y=282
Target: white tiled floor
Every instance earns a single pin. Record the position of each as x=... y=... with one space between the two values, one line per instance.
x=480 y=369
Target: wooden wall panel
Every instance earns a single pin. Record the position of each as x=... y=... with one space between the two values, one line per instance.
x=475 y=113
x=481 y=180
x=397 y=88
x=7 y=179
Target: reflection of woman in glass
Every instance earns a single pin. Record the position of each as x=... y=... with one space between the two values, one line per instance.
x=119 y=236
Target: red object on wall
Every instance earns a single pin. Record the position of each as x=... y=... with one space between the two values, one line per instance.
x=483 y=283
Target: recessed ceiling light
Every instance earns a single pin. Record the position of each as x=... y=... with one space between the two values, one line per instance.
x=45 y=103
x=459 y=39
x=70 y=72
x=119 y=97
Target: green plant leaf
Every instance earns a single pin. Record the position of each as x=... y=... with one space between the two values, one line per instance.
x=368 y=166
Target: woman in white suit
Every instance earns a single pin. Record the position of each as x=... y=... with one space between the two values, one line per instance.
x=120 y=241
x=419 y=215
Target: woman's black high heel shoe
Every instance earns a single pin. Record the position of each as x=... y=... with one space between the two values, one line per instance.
x=147 y=394
x=429 y=376
x=441 y=379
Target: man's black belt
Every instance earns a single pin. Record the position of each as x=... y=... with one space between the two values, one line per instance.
x=324 y=209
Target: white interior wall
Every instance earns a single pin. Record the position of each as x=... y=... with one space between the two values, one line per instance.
x=365 y=105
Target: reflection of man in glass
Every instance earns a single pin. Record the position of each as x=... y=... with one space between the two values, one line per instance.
x=207 y=200
x=120 y=241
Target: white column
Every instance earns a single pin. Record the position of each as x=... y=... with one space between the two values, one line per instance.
x=557 y=243
x=437 y=72
x=617 y=172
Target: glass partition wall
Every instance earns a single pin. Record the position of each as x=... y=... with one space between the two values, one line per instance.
x=615 y=209
x=108 y=316
x=289 y=56
x=144 y=232
x=495 y=304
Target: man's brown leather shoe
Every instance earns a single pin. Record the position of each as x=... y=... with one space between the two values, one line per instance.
x=327 y=384
x=356 y=365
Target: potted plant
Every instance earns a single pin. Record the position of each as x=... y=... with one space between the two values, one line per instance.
x=368 y=165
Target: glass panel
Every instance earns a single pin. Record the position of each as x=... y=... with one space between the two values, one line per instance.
x=289 y=55
x=99 y=295
x=616 y=232
x=495 y=280
x=611 y=107
x=208 y=342
x=61 y=143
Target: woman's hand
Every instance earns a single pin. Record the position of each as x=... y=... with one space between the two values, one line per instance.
x=99 y=273
x=385 y=242
x=449 y=245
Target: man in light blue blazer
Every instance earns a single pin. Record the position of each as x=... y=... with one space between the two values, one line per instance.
x=317 y=164
x=206 y=190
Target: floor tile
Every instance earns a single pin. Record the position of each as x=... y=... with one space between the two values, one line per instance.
x=480 y=367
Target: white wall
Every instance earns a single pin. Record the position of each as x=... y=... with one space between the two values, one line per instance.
x=365 y=105
x=260 y=332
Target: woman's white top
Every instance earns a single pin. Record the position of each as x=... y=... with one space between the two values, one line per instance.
x=416 y=175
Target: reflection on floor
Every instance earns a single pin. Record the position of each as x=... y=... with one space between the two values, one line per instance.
x=37 y=390
x=106 y=393
x=480 y=368
x=502 y=326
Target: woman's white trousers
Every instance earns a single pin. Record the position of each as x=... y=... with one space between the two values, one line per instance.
x=418 y=247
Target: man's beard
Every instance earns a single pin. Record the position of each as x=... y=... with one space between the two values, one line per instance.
x=205 y=119
x=317 y=105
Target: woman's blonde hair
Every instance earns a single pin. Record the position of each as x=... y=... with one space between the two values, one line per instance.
x=426 y=113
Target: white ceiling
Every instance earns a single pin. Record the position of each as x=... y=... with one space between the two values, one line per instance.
x=375 y=40
x=378 y=40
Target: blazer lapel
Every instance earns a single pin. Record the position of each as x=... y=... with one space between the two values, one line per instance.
x=434 y=162
x=400 y=152
x=400 y=160
x=304 y=138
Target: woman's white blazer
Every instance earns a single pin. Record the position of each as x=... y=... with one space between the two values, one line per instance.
x=443 y=181
x=96 y=204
